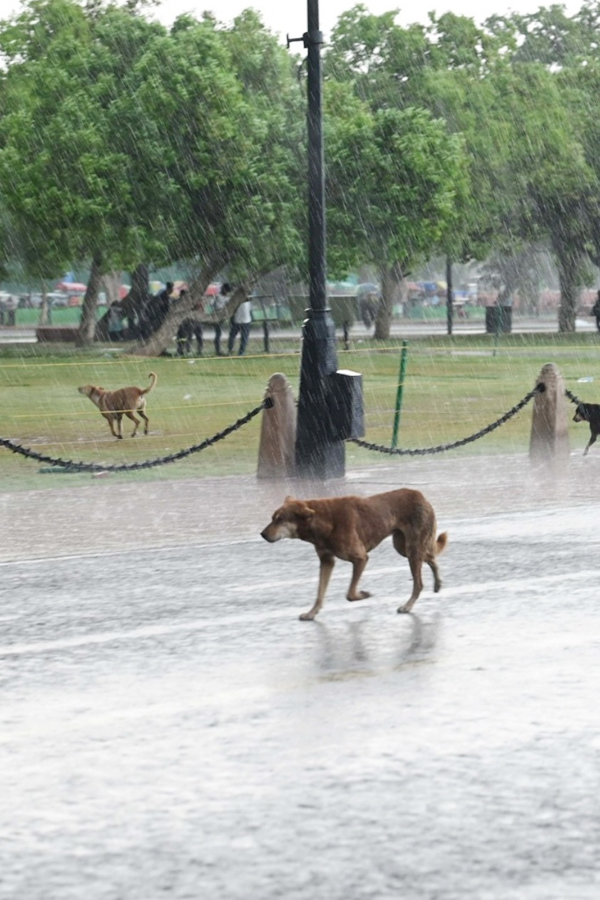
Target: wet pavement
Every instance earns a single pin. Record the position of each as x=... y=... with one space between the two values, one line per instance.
x=170 y=729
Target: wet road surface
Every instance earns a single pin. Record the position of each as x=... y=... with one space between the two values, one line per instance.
x=170 y=729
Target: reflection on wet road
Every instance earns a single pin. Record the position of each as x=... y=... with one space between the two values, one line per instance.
x=169 y=728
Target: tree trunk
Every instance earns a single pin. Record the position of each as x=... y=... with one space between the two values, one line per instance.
x=391 y=277
x=87 y=325
x=111 y=282
x=45 y=311
x=139 y=294
x=159 y=341
x=569 y=266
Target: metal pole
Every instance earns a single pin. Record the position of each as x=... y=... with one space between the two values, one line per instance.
x=449 y=295
x=399 y=393
x=265 y=325
x=317 y=454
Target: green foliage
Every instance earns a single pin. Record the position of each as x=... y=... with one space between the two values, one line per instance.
x=523 y=94
x=392 y=177
x=122 y=139
x=65 y=183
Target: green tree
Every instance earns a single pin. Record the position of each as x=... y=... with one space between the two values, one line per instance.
x=392 y=177
x=501 y=89
x=65 y=184
x=213 y=157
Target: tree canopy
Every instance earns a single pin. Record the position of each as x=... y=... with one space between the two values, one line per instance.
x=124 y=142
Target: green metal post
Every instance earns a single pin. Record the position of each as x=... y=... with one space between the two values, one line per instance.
x=403 y=356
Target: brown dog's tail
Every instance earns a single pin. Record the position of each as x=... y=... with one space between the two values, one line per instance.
x=440 y=544
x=147 y=390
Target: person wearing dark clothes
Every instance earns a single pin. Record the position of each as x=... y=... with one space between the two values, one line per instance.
x=156 y=310
x=162 y=305
x=186 y=332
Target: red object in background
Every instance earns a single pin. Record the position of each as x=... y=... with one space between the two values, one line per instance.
x=71 y=287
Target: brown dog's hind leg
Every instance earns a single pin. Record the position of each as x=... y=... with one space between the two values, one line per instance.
x=135 y=420
x=358 y=567
x=327 y=564
x=415 y=561
x=432 y=563
x=437 y=581
x=146 y=420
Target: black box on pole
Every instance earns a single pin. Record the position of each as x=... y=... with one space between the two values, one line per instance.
x=345 y=402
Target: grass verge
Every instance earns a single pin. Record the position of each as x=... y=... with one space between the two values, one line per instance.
x=453 y=388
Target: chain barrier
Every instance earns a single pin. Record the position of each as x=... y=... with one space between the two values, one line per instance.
x=572 y=397
x=73 y=466
x=441 y=448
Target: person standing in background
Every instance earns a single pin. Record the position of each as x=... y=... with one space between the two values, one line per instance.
x=240 y=324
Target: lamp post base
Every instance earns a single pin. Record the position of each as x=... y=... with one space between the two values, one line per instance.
x=318 y=455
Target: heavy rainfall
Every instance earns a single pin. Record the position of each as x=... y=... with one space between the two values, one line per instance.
x=235 y=272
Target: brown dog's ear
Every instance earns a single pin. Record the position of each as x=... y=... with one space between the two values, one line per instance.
x=289 y=499
x=304 y=511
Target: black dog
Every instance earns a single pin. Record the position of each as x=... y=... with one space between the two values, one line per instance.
x=590 y=413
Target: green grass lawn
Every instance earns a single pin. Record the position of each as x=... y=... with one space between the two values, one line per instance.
x=69 y=315
x=453 y=388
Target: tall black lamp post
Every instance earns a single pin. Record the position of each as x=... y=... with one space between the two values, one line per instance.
x=319 y=454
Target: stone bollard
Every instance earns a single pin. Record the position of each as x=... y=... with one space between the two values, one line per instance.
x=549 y=425
x=276 y=454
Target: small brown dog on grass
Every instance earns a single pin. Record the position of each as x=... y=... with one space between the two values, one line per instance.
x=350 y=527
x=123 y=402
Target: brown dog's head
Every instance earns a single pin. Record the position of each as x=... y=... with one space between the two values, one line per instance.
x=92 y=391
x=87 y=389
x=287 y=519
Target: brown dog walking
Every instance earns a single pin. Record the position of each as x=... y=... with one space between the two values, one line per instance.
x=350 y=527
x=123 y=402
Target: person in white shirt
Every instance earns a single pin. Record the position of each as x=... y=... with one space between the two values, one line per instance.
x=240 y=324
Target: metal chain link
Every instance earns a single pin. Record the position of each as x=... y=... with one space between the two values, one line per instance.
x=539 y=388
x=74 y=466
x=572 y=397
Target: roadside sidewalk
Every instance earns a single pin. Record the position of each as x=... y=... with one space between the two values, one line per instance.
x=400 y=328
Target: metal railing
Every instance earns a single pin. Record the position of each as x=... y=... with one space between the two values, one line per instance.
x=441 y=448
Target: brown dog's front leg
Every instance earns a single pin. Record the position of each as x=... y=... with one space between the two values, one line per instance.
x=358 y=567
x=327 y=564
x=111 y=425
